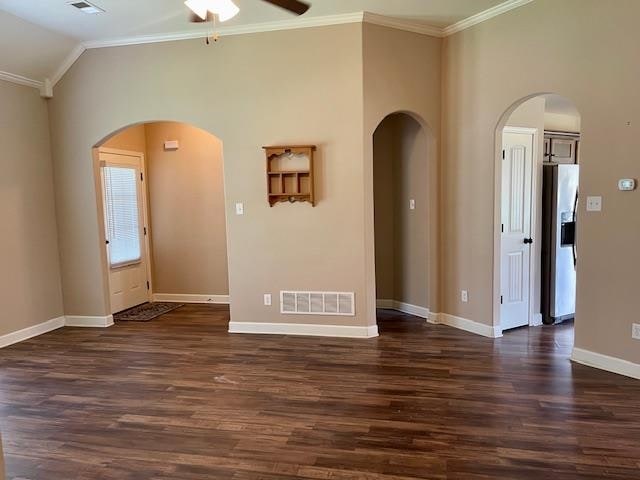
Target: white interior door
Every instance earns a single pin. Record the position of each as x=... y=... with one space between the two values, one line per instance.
x=515 y=261
x=125 y=229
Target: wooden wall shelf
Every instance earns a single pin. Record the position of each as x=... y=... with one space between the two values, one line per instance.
x=290 y=174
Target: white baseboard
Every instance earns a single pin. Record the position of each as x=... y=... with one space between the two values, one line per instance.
x=30 y=332
x=184 y=298
x=94 y=322
x=313 y=330
x=414 y=310
x=605 y=362
x=53 y=324
x=536 y=320
x=467 y=325
x=433 y=318
x=386 y=304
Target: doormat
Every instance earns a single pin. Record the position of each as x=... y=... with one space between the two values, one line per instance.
x=145 y=312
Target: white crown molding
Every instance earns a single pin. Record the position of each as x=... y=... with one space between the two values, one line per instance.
x=484 y=16
x=231 y=30
x=67 y=63
x=358 y=17
x=191 y=298
x=20 y=80
x=401 y=24
x=312 y=330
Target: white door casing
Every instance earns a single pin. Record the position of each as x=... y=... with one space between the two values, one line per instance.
x=129 y=281
x=516 y=218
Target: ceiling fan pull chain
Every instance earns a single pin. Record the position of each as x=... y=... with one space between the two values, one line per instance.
x=214 y=36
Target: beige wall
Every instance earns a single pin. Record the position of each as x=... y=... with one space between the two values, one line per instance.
x=400 y=174
x=402 y=74
x=485 y=72
x=348 y=79
x=234 y=90
x=30 y=290
x=185 y=193
x=560 y=122
x=186 y=199
x=384 y=187
x=133 y=139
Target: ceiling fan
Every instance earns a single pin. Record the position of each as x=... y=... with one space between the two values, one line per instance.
x=207 y=10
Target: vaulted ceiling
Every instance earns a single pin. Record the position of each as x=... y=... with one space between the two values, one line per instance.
x=38 y=37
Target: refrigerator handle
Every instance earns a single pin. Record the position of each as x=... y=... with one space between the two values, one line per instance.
x=575 y=238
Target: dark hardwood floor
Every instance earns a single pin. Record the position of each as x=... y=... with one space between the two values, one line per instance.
x=180 y=398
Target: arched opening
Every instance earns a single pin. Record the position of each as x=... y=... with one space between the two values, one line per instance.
x=536 y=213
x=401 y=216
x=160 y=196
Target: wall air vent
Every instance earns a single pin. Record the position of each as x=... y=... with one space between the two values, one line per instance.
x=86 y=7
x=317 y=303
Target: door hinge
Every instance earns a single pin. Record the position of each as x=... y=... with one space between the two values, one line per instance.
x=147 y=284
x=501 y=300
x=145 y=230
x=141 y=177
x=504 y=154
x=502 y=227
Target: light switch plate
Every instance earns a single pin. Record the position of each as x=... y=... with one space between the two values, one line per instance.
x=239 y=208
x=594 y=204
x=412 y=204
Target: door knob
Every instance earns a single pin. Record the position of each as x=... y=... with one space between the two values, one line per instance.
x=528 y=241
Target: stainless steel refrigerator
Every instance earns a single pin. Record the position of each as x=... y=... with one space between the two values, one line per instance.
x=559 y=250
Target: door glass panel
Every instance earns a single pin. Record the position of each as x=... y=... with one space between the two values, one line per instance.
x=121 y=215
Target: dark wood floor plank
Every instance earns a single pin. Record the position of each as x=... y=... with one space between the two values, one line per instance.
x=180 y=398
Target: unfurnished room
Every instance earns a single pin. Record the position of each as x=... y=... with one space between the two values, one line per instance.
x=319 y=240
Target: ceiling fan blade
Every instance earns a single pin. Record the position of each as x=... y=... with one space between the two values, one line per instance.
x=193 y=18
x=294 y=6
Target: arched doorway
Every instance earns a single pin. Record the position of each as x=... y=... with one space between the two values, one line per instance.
x=536 y=212
x=402 y=215
x=160 y=189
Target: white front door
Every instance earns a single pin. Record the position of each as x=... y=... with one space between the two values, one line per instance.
x=125 y=229
x=517 y=169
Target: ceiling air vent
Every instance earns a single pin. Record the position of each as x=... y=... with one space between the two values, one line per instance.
x=86 y=7
x=317 y=303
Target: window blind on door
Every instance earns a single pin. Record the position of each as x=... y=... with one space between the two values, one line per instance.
x=121 y=214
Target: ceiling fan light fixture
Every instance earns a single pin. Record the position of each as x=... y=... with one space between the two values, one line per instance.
x=224 y=9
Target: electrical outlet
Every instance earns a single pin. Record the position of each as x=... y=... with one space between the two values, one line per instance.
x=594 y=204
x=635 y=331
x=464 y=296
x=267 y=299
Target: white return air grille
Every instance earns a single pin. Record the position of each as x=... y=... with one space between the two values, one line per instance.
x=317 y=303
